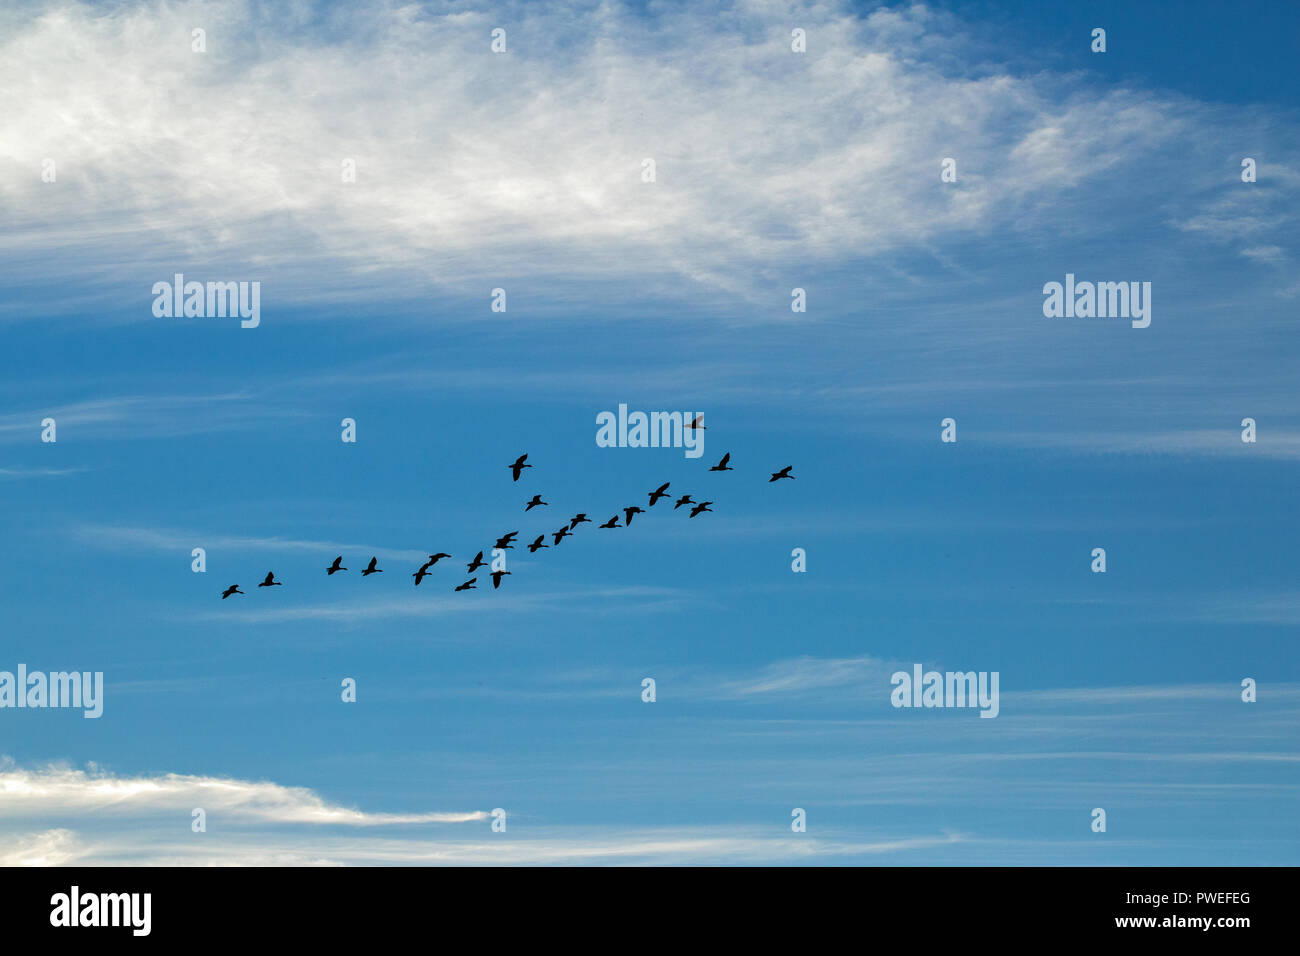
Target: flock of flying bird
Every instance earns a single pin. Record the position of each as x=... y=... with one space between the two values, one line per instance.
x=506 y=541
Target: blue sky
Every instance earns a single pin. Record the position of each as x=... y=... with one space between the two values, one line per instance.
x=775 y=170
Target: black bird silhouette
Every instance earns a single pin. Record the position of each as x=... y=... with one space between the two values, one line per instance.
x=660 y=492
x=496 y=578
x=435 y=558
x=578 y=519
x=233 y=589
x=467 y=586
x=783 y=473
x=683 y=500
x=537 y=543
x=634 y=510
x=612 y=523
x=503 y=542
x=270 y=581
x=695 y=424
x=702 y=506
x=722 y=465
x=371 y=569
x=477 y=563
x=420 y=575
x=519 y=465
x=336 y=566
x=561 y=535
x=537 y=500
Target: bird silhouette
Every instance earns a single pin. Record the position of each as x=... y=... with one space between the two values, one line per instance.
x=371 y=569
x=579 y=518
x=336 y=566
x=683 y=500
x=420 y=575
x=660 y=492
x=537 y=543
x=503 y=542
x=783 y=473
x=496 y=578
x=435 y=558
x=467 y=586
x=612 y=523
x=519 y=465
x=695 y=424
x=561 y=535
x=702 y=506
x=477 y=563
x=722 y=465
x=633 y=510
x=537 y=500
x=270 y=581
x=233 y=589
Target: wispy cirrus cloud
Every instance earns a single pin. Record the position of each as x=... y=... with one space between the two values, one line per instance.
x=127 y=537
x=646 y=846
x=20 y=471
x=762 y=155
x=806 y=675
x=139 y=416
x=595 y=600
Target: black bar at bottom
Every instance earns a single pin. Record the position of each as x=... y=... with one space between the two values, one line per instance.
x=654 y=906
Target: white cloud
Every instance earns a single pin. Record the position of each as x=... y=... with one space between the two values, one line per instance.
x=100 y=819
x=472 y=164
x=56 y=791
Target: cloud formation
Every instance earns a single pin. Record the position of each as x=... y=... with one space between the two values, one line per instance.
x=480 y=164
x=65 y=791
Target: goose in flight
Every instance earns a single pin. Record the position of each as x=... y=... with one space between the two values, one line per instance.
x=496 y=578
x=519 y=465
x=233 y=589
x=477 y=563
x=783 y=473
x=270 y=581
x=696 y=424
x=371 y=569
x=435 y=558
x=579 y=518
x=537 y=543
x=683 y=500
x=634 y=510
x=537 y=500
x=660 y=492
x=336 y=566
x=722 y=465
x=561 y=535
x=612 y=523
x=702 y=506
x=467 y=586
x=504 y=542
x=421 y=574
